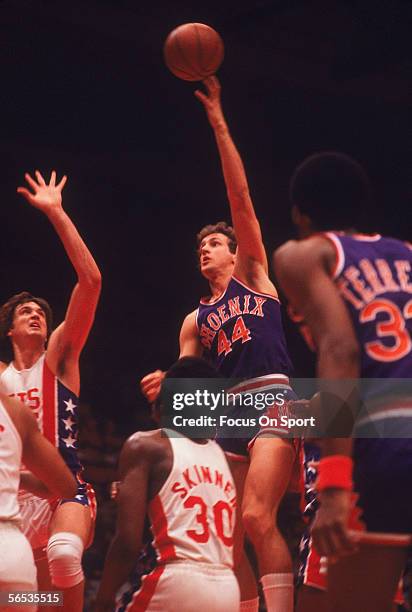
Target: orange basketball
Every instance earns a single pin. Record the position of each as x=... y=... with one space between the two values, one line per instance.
x=193 y=51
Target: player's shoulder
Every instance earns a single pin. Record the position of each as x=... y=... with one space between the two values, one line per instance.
x=189 y=325
x=149 y=445
x=303 y=254
x=190 y=319
x=3 y=366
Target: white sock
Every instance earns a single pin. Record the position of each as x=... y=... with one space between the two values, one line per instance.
x=278 y=592
x=249 y=605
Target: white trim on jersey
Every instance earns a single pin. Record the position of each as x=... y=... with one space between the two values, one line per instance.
x=340 y=254
x=267 y=295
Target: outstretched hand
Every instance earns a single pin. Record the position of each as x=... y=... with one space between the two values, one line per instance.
x=45 y=197
x=211 y=100
x=330 y=532
x=151 y=385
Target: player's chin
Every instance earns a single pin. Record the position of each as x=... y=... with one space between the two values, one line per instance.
x=206 y=269
x=37 y=331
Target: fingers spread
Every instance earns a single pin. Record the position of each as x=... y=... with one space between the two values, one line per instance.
x=31 y=181
x=25 y=193
x=200 y=95
x=40 y=178
x=62 y=183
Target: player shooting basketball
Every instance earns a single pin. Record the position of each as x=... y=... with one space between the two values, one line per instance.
x=239 y=326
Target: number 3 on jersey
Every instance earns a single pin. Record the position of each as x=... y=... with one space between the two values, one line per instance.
x=240 y=332
x=223 y=517
x=393 y=327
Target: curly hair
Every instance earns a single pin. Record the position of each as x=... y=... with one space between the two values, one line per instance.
x=8 y=309
x=331 y=188
x=221 y=227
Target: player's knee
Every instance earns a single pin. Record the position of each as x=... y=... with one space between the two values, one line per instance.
x=257 y=521
x=64 y=554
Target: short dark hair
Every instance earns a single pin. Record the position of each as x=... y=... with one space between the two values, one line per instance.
x=221 y=227
x=331 y=188
x=9 y=307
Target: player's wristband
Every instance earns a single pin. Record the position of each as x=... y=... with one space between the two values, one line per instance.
x=335 y=472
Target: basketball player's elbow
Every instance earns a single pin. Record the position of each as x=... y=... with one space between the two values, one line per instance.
x=341 y=352
x=68 y=487
x=90 y=278
x=94 y=279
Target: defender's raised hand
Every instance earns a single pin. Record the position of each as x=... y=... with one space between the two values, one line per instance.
x=45 y=197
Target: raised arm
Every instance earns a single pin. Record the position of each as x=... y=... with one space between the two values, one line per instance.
x=69 y=338
x=132 y=498
x=251 y=255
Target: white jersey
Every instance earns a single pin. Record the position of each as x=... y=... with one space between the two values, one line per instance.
x=10 y=459
x=193 y=515
x=26 y=385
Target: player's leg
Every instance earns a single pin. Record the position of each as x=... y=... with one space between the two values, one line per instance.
x=246 y=578
x=367 y=580
x=70 y=531
x=271 y=463
x=17 y=568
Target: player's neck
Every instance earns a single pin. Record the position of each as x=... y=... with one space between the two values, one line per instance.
x=219 y=282
x=25 y=356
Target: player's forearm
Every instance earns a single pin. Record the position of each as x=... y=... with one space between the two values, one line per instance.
x=119 y=564
x=338 y=370
x=30 y=482
x=78 y=253
x=233 y=170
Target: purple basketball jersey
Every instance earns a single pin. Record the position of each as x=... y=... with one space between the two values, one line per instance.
x=374 y=277
x=242 y=333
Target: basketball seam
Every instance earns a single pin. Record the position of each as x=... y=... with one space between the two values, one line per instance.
x=174 y=67
x=199 y=51
x=189 y=64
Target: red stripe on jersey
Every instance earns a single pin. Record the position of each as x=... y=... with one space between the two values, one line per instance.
x=162 y=541
x=254 y=384
x=313 y=576
x=142 y=598
x=50 y=426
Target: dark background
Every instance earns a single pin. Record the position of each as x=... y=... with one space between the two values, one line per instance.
x=84 y=90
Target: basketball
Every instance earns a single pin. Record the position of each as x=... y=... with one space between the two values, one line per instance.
x=193 y=51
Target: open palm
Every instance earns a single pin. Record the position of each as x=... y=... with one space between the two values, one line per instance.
x=45 y=196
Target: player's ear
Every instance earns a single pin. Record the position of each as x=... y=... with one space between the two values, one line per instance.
x=301 y=221
x=296 y=215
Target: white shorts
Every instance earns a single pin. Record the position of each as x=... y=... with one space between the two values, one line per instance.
x=36 y=514
x=17 y=568
x=187 y=586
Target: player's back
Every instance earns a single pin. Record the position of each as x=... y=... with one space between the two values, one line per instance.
x=193 y=515
x=373 y=274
